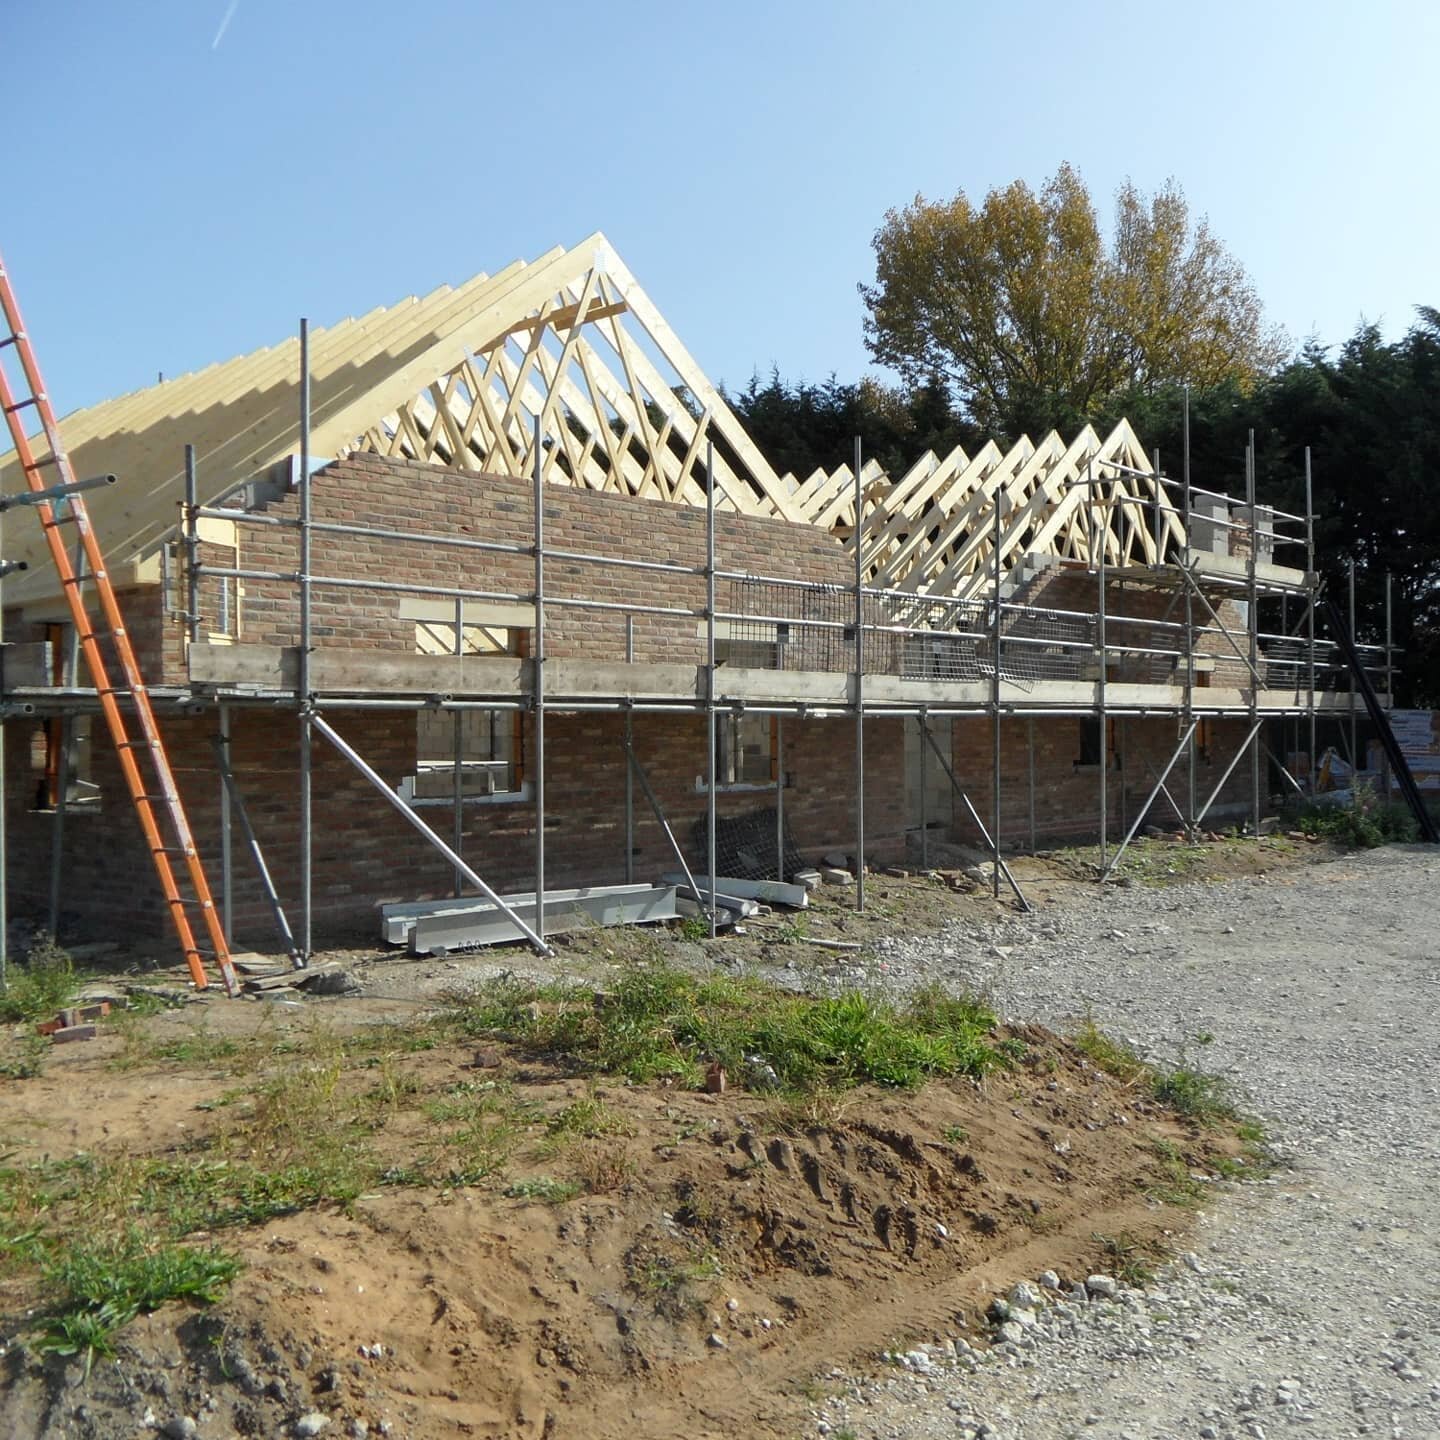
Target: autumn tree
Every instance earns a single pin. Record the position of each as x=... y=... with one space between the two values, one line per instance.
x=1032 y=319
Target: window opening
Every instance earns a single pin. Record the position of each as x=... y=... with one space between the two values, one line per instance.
x=744 y=750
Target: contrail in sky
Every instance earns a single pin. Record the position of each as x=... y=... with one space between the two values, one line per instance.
x=230 y=10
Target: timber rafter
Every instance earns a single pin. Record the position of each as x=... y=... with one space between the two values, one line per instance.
x=461 y=376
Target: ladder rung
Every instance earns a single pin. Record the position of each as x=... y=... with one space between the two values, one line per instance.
x=92 y=630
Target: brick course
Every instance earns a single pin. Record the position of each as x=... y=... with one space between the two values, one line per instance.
x=365 y=855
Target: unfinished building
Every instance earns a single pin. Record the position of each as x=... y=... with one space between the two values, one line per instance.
x=504 y=554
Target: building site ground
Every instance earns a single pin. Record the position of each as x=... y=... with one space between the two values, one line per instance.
x=470 y=1198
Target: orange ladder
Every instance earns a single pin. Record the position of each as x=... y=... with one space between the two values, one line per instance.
x=143 y=760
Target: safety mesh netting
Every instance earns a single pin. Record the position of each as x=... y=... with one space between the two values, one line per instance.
x=745 y=846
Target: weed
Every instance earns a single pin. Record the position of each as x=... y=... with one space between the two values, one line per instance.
x=543 y=1188
x=664 y=1278
x=955 y=1134
x=1105 y=1053
x=45 y=983
x=1365 y=823
x=588 y=1119
x=695 y=927
x=102 y=1287
x=600 y=1168
x=24 y=1057
x=792 y=932
x=1194 y=1093
x=1129 y=1257
x=660 y=1021
x=1175 y=1185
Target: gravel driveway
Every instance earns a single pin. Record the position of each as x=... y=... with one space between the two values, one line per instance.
x=1311 y=1304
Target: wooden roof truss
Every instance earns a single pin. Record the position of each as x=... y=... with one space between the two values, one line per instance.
x=461 y=376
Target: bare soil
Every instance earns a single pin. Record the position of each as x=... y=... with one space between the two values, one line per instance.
x=721 y=1253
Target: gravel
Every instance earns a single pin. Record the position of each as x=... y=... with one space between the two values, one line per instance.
x=1309 y=1304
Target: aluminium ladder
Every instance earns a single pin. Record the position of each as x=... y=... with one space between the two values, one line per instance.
x=143 y=760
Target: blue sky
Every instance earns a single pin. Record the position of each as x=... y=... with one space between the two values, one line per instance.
x=172 y=201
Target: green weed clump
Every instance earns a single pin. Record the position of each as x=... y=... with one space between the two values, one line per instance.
x=660 y=1022
x=1366 y=823
x=101 y=1287
x=1190 y=1092
x=35 y=990
x=544 y=1188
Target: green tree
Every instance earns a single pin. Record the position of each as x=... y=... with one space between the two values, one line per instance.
x=800 y=425
x=1022 y=309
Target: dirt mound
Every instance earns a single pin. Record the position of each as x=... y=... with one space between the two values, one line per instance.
x=703 y=1258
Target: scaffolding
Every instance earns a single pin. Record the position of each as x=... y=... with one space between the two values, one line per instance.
x=531 y=375
x=1001 y=652
x=1002 y=648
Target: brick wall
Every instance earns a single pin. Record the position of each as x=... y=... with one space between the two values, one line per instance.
x=364 y=854
x=1067 y=794
x=458 y=504
x=1125 y=601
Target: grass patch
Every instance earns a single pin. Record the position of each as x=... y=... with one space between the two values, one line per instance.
x=1196 y=1094
x=34 y=991
x=587 y=1119
x=1106 y=1053
x=1175 y=1185
x=1130 y=1259
x=22 y=1057
x=101 y=1287
x=1364 y=824
x=662 y=1022
x=543 y=1188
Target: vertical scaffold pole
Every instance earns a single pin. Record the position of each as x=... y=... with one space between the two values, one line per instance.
x=1352 y=713
x=70 y=673
x=303 y=697
x=1310 y=587
x=995 y=641
x=191 y=534
x=457 y=776
x=1030 y=774
x=1189 y=628
x=859 y=683
x=780 y=798
x=1254 y=608
x=538 y=663
x=1389 y=668
x=629 y=775
x=227 y=872
x=924 y=801
x=1100 y=528
x=1159 y=507
x=710 y=845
